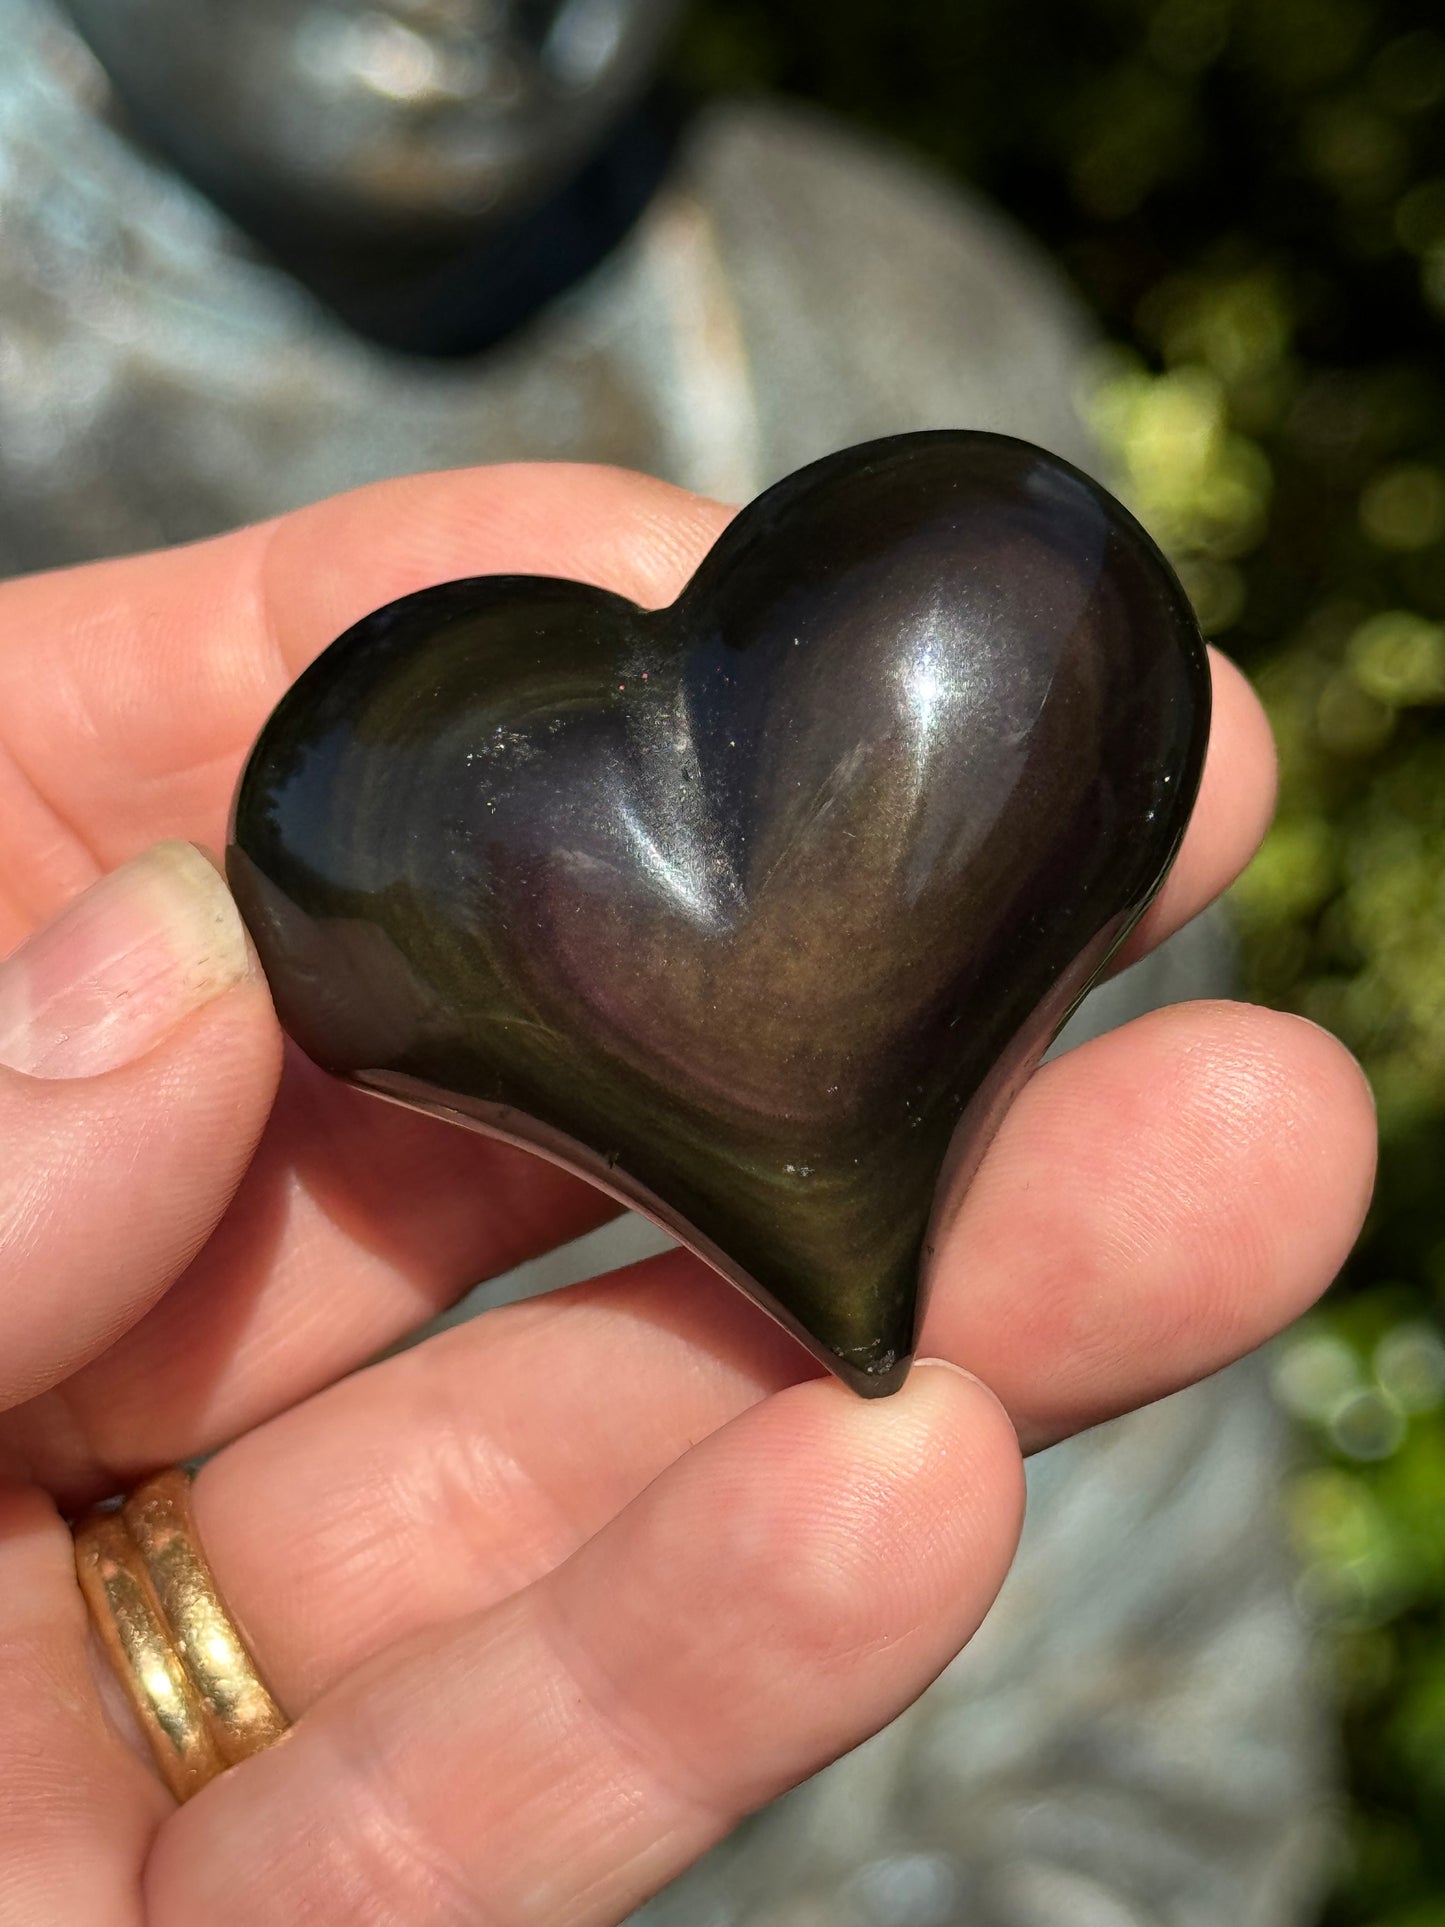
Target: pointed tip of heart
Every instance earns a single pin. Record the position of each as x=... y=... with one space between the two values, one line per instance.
x=878 y=1380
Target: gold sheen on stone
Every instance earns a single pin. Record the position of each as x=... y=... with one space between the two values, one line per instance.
x=187 y=1672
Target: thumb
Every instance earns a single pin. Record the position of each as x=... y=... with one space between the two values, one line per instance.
x=138 y=1059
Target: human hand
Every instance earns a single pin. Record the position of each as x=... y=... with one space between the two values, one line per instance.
x=555 y=1598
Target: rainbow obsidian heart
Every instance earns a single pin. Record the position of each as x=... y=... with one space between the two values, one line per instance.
x=758 y=909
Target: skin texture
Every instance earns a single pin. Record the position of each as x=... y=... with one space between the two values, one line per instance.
x=556 y=1597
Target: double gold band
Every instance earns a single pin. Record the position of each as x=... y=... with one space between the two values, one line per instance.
x=174 y=1647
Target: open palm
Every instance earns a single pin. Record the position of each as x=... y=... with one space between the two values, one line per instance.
x=555 y=1598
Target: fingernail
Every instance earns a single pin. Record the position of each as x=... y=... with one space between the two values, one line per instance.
x=119 y=969
x=931 y=1363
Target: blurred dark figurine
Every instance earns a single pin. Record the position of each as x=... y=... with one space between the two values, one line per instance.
x=251 y=254
x=435 y=168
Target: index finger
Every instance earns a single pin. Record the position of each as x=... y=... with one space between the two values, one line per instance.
x=131 y=690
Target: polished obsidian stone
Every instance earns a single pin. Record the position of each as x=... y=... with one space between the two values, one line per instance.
x=758 y=909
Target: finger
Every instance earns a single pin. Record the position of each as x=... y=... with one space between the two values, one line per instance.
x=452 y=1475
x=1207 y=1170
x=781 y=1592
x=354 y=1223
x=139 y=1058
x=78 y=1807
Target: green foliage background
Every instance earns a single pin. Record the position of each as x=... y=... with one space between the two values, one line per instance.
x=1251 y=193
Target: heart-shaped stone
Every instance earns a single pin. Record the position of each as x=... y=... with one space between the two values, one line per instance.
x=755 y=910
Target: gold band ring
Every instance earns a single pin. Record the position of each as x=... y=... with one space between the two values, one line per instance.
x=174 y=1647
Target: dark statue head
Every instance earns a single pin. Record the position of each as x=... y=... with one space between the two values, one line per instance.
x=378 y=120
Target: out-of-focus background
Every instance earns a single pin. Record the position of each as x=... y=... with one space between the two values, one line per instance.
x=1251 y=195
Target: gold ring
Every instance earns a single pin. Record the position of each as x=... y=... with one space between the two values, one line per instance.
x=176 y=1650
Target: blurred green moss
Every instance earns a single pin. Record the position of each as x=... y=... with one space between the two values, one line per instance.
x=1252 y=195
